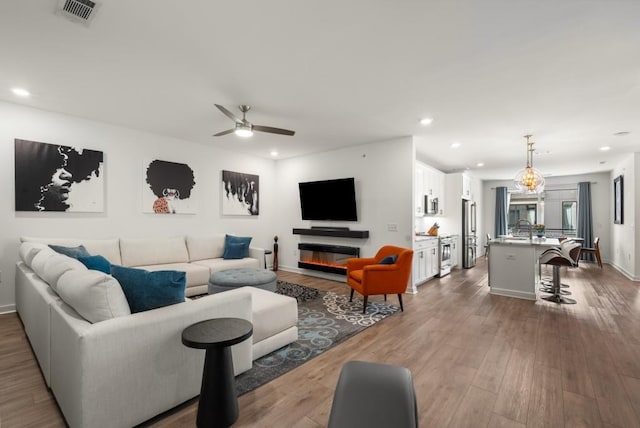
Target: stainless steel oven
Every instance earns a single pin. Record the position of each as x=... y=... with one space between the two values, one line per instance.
x=444 y=246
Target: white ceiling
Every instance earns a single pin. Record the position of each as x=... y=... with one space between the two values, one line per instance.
x=347 y=72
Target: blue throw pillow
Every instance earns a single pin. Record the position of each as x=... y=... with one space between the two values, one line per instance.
x=146 y=290
x=231 y=251
x=389 y=260
x=234 y=250
x=74 y=252
x=96 y=263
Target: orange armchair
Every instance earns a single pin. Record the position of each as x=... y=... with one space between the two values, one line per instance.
x=368 y=277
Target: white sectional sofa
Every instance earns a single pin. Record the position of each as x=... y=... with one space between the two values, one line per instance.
x=127 y=368
x=197 y=256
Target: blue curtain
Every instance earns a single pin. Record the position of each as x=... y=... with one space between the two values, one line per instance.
x=502 y=211
x=585 y=219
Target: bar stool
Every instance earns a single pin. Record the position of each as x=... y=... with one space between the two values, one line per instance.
x=567 y=256
x=566 y=245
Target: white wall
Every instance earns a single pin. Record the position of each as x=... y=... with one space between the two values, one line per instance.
x=624 y=255
x=383 y=175
x=124 y=152
x=600 y=196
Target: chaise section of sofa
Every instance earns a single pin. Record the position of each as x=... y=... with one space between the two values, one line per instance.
x=123 y=371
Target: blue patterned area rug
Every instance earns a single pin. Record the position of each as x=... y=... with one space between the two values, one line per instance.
x=324 y=320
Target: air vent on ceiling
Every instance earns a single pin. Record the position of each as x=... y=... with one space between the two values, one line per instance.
x=78 y=10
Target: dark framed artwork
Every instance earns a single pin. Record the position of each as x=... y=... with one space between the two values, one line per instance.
x=52 y=177
x=167 y=188
x=618 y=200
x=240 y=193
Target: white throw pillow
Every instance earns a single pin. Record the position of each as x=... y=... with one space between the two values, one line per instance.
x=28 y=250
x=56 y=266
x=95 y=295
x=40 y=259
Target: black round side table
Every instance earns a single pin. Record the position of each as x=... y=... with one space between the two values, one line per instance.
x=218 y=406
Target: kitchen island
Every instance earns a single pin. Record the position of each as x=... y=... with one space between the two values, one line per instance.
x=513 y=265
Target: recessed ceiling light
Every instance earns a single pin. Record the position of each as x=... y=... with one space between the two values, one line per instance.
x=605 y=148
x=455 y=145
x=426 y=121
x=274 y=153
x=20 y=92
x=480 y=164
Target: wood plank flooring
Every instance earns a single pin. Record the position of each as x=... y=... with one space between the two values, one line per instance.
x=477 y=360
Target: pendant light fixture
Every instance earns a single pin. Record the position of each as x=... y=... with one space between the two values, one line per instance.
x=529 y=179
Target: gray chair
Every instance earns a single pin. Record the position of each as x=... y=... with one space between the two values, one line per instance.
x=374 y=395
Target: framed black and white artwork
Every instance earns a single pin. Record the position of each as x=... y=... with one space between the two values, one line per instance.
x=618 y=200
x=167 y=188
x=240 y=193
x=53 y=177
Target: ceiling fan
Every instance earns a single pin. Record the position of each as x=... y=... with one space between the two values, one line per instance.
x=244 y=128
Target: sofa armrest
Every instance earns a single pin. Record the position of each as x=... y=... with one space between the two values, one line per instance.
x=257 y=253
x=125 y=370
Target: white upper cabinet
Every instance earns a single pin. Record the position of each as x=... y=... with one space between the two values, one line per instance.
x=434 y=186
x=429 y=190
x=419 y=191
x=466 y=187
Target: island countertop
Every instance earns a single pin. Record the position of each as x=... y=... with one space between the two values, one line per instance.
x=543 y=242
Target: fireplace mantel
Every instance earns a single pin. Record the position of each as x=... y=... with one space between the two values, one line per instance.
x=335 y=232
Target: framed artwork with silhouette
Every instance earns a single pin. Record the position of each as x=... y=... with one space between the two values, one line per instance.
x=168 y=188
x=618 y=200
x=53 y=177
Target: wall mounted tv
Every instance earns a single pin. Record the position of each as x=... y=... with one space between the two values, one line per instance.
x=329 y=200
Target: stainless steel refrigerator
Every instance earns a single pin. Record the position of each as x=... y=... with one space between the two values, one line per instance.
x=469 y=239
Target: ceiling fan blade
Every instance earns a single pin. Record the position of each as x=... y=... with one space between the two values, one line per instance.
x=228 y=131
x=228 y=113
x=273 y=130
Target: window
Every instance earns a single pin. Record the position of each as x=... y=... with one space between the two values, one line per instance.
x=522 y=210
x=569 y=217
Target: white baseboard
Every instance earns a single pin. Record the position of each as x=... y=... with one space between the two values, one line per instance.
x=624 y=272
x=7 y=309
x=513 y=293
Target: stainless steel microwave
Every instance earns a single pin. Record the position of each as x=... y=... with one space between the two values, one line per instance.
x=430 y=205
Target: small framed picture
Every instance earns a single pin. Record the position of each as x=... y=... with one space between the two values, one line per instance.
x=618 y=200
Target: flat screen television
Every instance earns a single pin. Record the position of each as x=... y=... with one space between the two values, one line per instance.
x=329 y=200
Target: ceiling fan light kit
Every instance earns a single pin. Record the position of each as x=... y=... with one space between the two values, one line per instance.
x=244 y=128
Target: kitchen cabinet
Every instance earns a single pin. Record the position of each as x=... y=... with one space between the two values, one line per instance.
x=466 y=187
x=419 y=191
x=425 y=260
x=433 y=262
x=434 y=187
x=454 y=251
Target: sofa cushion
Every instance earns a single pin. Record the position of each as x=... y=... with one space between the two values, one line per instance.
x=205 y=247
x=38 y=262
x=108 y=248
x=236 y=247
x=28 y=251
x=146 y=290
x=75 y=252
x=94 y=295
x=96 y=263
x=143 y=252
x=196 y=274
x=215 y=265
x=56 y=266
x=272 y=313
